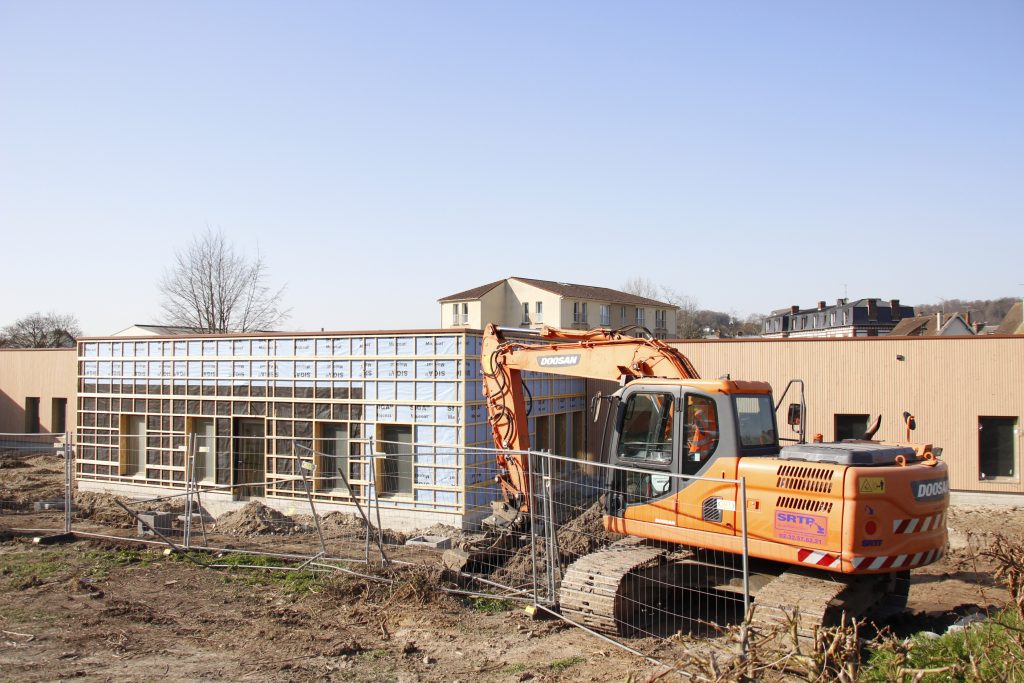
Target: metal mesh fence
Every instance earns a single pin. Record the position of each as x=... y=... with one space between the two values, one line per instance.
x=35 y=481
x=611 y=549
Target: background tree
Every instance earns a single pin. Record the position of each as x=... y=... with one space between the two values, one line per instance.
x=693 y=322
x=39 y=331
x=688 y=321
x=212 y=288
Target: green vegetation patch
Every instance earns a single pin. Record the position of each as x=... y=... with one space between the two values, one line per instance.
x=992 y=650
x=561 y=665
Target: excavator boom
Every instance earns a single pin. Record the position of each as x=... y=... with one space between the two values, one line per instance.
x=594 y=354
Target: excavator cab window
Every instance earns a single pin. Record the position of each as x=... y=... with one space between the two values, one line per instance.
x=646 y=427
x=645 y=434
x=701 y=429
x=756 y=418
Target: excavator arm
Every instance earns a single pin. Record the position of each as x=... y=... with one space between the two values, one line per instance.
x=594 y=354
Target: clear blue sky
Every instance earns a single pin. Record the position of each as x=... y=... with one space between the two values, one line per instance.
x=382 y=155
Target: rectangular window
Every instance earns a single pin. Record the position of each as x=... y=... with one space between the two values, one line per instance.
x=579 y=426
x=576 y=312
x=538 y=310
x=455 y=314
x=32 y=415
x=394 y=471
x=465 y=314
x=622 y=315
x=58 y=415
x=851 y=426
x=584 y=312
x=203 y=436
x=756 y=416
x=542 y=434
x=640 y=318
x=646 y=429
x=132 y=442
x=332 y=465
x=606 y=315
x=997 y=447
x=526 y=312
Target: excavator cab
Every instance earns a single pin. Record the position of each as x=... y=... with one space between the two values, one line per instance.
x=672 y=428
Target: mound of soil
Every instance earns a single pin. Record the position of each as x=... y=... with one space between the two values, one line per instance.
x=335 y=524
x=25 y=479
x=584 y=534
x=580 y=536
x=518 y=570
x=256 y=519
x=102 y=508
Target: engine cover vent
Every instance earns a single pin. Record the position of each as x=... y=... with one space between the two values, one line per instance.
x=803 y=504
x=813 y=479
x=710 y=511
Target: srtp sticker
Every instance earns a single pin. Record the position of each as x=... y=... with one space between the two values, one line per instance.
x=872 y=484
x=801 y=527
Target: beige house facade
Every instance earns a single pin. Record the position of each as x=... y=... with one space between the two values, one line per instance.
x=37 y=390
x=528 y=303
x=965 y=393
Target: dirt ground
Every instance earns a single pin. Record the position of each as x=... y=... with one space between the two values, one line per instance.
x=97 y=610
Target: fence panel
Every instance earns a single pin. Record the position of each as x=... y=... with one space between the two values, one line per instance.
x=34 y=481
x=632 y=555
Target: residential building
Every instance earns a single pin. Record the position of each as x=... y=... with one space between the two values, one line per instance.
x=1013 y=323
x=861 y=318
x=527 y=303
x=936 y=325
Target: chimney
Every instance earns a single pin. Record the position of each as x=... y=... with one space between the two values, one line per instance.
x=938 y=321
x=821 y=305
x=970 y=319
x=793 y=310
x=894 y=305
x=840 y=302
x=872 y=310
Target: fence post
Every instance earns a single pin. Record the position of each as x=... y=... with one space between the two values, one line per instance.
x=533 y=525
x=69 y=469
x=190 y=470
x=746 y=548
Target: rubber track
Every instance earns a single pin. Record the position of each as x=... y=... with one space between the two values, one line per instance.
x=592 y=587
x=815 y=599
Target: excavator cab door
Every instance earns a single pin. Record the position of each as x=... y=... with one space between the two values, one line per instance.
x=646 y=449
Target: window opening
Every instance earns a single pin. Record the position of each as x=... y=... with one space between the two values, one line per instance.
x=997 y=447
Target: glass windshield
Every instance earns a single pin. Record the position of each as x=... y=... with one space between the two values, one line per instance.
x=647 y=428
x=756 y=416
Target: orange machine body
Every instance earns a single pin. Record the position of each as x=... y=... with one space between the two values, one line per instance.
x=799 y=509
x=852 y=520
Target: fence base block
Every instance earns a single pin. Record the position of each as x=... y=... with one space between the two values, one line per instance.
x=53 y=539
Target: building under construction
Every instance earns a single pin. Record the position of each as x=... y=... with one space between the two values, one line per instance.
x=266 y=408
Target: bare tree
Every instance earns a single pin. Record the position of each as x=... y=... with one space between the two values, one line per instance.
x=688 y=320
x=212 y=288
x=39 y=331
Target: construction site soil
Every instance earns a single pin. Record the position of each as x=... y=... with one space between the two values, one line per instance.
x=120 y=611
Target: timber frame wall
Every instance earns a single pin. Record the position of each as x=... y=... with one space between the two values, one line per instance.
x=295 y=383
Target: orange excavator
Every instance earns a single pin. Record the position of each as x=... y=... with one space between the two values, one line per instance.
x=831 y=528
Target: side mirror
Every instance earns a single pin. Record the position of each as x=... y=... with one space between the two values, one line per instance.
x=909 y=419
x=794 y=415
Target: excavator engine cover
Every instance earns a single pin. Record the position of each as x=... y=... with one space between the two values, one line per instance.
x=849 y=453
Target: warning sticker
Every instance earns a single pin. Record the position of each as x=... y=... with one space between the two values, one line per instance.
x=872 y=484
x=801 y=527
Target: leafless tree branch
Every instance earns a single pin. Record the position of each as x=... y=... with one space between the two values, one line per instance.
x=212 y=288
x=39 y=331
